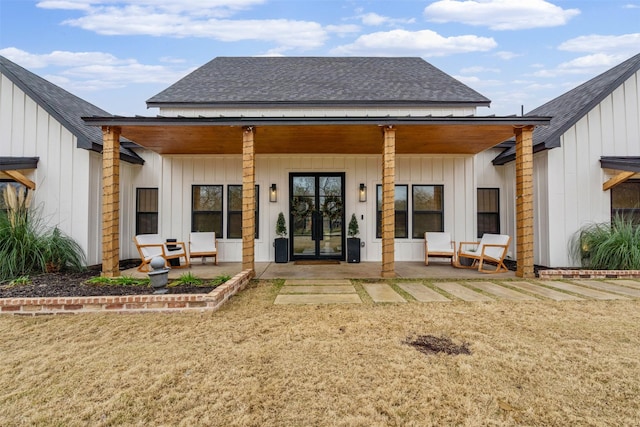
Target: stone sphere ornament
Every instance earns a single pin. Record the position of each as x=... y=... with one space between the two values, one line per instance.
x=157 y=263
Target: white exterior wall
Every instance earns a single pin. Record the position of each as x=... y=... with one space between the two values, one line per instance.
x=612 y=128
x=541 y=226
x=568 y=180
x=490 y=176
x=62 y=177
x=174 y=175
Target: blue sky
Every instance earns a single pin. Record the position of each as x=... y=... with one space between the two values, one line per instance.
x=118 y=53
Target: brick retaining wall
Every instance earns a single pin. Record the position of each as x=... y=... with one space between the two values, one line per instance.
x=129 y=303
x=589 y=274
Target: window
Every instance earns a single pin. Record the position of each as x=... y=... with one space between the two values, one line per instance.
x=206 y=208
x=488 y=211
x=401 y=209
x=146 y=210
x=428 y=213
x=234 y=211
x=625 y=200
x=3 y=186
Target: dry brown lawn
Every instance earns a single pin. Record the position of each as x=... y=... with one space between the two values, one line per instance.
x=252 y=363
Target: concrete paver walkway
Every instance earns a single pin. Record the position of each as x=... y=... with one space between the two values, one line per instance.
x=343 y=291
x=381 y=292
x=422 y=293
x=300 y=291
x=543 y=291
x=581 y=290
x=610 y=287
x=501 y=292
x=462 y=292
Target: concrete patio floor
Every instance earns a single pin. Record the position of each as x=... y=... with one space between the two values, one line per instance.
x=363 y=270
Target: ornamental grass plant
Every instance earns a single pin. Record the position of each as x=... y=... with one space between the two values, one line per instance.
x=611 y=245
x=27 y=245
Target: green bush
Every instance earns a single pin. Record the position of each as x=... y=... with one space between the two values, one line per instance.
x=27 y=245
x=608 y=246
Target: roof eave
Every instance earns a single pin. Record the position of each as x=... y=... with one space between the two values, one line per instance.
x=320 y=104
x=314 y=121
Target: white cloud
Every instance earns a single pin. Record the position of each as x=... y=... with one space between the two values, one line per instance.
x=422 y=43
x=218 y=8
x=192 y=18
x=500 y=14
x=342 y=30
x=626 y=44
x=60 y=58
x=373 y=19
x=479 y=69
x=86 y=71
x=503 y=54
x=604 y=52
x=631 y=6
x=588 y=64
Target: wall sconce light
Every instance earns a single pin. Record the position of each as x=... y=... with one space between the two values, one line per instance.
x=273 y=193
x=362 y=193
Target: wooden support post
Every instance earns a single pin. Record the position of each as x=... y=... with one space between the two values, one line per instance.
x=110 y=201
x=524 y=201
x=388 y=202
x=248 y=200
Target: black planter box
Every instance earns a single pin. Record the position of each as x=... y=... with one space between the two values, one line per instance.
x=282 y=249
x=353 y=250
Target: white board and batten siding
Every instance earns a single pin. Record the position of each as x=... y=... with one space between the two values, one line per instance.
x=62 y=177
x=612 y=128
x=176 y=174
x=568 y=180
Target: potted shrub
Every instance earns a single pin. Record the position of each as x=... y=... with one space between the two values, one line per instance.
x=353 y=242
x=281 y=242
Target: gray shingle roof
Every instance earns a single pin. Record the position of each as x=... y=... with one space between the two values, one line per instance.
x=67 y=108
x=304 y=81
x=570 y=107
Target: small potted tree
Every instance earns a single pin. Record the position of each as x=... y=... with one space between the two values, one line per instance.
x=281 y=242
x=353 y=242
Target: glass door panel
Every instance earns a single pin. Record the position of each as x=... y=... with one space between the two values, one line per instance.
x=317 y=216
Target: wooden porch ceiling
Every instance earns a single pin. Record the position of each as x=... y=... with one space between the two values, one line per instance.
x=450 y=135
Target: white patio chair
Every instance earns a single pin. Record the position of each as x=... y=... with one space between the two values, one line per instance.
x=152 y=245
x=440 y=245
x=203 y=244
x=492 y=248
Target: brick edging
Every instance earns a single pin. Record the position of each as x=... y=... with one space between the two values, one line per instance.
x=589 y=274
x=128 y=303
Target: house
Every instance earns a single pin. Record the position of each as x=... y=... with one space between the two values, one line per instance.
x=586 y=162
x=394 y=141
x=45 y=145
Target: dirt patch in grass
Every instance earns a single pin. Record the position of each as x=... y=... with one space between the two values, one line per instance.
x=429 y=344
x=253 y=363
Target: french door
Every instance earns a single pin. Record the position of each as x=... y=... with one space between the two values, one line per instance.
x=316 y=215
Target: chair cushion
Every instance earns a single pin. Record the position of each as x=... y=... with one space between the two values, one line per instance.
x=439 y=242
x=202 y=242
x=493 y=239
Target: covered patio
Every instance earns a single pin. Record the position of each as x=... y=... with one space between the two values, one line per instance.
x=383 y=136
x=342 y=270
